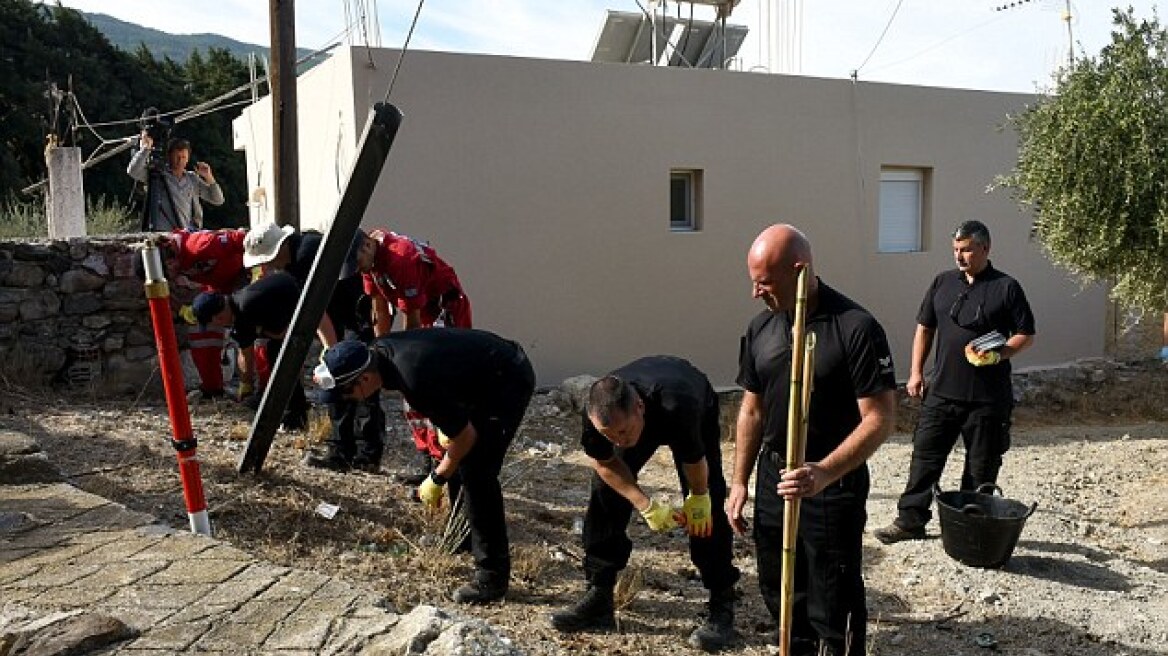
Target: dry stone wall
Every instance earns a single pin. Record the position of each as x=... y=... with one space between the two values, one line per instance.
x=73 y=313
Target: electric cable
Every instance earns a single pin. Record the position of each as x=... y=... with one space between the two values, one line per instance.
x=402 y=55
x=856 y=71
x=940 y=43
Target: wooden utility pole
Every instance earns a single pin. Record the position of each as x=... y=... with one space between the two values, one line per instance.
x=285 y=141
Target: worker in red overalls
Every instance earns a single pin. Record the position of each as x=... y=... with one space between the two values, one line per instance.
x=406 y=274
x=212 y=259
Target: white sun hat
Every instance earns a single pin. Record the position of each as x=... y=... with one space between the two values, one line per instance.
x=262 y=244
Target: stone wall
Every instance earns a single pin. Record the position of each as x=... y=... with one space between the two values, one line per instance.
x=73 y=313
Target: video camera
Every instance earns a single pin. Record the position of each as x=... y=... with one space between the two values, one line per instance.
x=158 y=126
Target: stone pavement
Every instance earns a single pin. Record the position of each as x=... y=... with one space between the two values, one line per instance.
x=67 y=554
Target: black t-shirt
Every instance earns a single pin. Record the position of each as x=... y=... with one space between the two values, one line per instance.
x=343 y=308
x=677 y=398
x=264 y=308
x=451 y=375
x=852 y=361
x=960 y=313
x=302 y=246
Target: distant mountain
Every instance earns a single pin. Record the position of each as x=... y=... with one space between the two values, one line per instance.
x=178 y=47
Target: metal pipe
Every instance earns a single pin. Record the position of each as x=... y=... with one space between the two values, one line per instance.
x=185 y=444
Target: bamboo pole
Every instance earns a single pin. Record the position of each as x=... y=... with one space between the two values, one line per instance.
x=798 y=405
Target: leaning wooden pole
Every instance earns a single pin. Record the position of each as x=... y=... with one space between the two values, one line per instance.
x=798 y=404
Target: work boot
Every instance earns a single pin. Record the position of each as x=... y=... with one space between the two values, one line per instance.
x=895 y=532
x=332 y=461
x=718 y=631
x=418 y=470
x=593 y=611
x=478 y=592
x=199 y=396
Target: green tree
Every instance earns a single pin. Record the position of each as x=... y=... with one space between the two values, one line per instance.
x=42 y=45
x=1093 y=165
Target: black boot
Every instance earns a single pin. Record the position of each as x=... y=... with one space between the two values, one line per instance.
x=593 y=611
x=329 y=460
x=480 y=592
x=718 y=631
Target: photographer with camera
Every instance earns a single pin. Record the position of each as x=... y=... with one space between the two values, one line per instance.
x=173 y=193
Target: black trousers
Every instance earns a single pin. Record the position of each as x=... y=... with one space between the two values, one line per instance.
x=607 y=546
x=985 y=428
x=296 y=412
x=482 y=493
x=829 y=587
x=357 y=429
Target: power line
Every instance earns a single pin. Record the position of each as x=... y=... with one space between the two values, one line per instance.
x=856 y=71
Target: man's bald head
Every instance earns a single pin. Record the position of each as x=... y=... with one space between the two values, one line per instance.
x=773 y=262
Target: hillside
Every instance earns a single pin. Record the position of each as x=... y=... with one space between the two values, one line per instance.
x=127 y=36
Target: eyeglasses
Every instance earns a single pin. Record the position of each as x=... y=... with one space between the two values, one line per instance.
x=956 y=312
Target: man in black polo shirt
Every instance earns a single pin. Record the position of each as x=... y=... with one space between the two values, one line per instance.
x=262 y=309
x=970 y=393
x=475 y=387
x=355 y=441
x=646 y=404
x=852 y=413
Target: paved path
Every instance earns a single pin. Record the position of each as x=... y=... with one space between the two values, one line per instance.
x=62 y=549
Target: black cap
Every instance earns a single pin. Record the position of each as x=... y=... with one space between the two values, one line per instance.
x=206 y=305
x=349 y=268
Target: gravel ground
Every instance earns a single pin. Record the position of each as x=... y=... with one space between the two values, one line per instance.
x=1089 y=575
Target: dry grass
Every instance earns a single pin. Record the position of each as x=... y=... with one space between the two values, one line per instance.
x=629 y=584
x=382 y=539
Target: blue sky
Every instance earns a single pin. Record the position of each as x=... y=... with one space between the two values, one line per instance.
x=954 y=43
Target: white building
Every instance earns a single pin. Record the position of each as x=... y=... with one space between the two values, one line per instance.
x=558 y=190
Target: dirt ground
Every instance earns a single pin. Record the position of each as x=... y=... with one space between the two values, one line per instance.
x=1089 y=576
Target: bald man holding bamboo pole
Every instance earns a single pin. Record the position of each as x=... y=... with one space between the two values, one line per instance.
x=848 y=415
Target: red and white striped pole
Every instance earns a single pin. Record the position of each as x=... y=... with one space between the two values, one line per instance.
x=158 y=296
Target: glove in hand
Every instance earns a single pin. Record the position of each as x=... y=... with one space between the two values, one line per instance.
x=246 y=389
x=188 y=315
x=430 y=492
x=983 y=359
x=658 y=516
x=699 y=521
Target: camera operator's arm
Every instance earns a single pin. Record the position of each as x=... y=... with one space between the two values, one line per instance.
x=137 y=167
x=209 y=190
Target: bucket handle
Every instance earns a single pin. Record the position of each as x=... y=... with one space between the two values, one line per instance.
x=991 y=489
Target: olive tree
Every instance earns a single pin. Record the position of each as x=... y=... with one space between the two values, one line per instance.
x=1093 y=165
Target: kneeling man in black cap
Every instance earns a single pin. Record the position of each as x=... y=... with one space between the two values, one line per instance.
x=474 y=386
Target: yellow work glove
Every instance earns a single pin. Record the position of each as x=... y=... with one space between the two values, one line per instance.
x=246 y=389
x=188 y=314
x=443 y=440
x=431 y=490
x=658 y=516
x=985 y=358
x=698 y=520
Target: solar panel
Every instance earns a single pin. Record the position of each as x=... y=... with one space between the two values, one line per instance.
x=627 y=37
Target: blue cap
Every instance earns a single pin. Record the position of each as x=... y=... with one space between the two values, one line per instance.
x=343 y=363
x=206 y=305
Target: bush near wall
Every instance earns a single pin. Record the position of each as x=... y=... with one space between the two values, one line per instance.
x=72 y=312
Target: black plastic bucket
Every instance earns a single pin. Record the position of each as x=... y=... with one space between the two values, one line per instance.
x=980 y=529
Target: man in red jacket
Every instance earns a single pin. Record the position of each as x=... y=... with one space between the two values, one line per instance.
x=407 y=274
x=212 y=259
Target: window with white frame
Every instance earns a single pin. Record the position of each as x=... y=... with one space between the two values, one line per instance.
x=902 y=209
x=685 y=200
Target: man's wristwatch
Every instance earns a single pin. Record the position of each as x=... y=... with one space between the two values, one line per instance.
x=438 y=479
